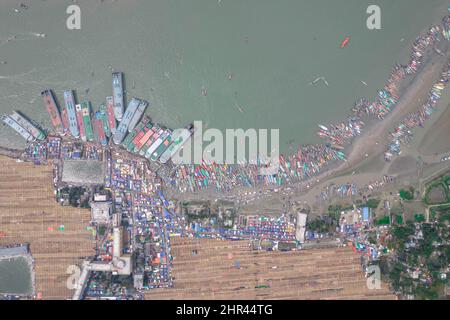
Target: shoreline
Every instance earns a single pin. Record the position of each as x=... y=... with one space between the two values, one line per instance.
x=355 y=149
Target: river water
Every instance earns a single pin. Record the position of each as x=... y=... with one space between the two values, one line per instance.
x=254 y=59
x=15 y=276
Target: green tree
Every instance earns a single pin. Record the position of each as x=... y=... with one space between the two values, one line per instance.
x=372 y=203
x=407 y=194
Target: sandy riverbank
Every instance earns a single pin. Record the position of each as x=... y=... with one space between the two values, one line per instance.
x=436 y=139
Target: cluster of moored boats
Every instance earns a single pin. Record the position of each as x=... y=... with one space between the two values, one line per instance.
x=351 y=189
x=110 y=122
x=24 y=126
x=402 y=133
x=341 y=133
x=386 y=99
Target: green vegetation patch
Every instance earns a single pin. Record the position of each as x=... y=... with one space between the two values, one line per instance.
x=101 y=230
x=440 y=213
x=372 y=203
x=318 y=225
x=77 y=196
x=383 y=221
x=334 y=211
x=444 y=217
x=407 y=194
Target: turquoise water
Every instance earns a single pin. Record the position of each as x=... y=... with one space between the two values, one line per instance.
x=170 y=50
x=15 y=276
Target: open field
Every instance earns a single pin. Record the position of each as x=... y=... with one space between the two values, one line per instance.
x=83 y=172
x=29 y=213
x=330 y=273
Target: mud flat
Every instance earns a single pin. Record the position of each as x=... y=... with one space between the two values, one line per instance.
x=402 y=165
x=29 y=214
x=437 y=138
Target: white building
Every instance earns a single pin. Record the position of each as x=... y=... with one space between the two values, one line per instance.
x=300 y=227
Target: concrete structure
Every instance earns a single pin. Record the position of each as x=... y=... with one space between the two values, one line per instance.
x=82 y=281
x=13 y=251
x=118 y=240
x=119 y=266
x=300 y=227
x=100 y=197
x=122 y=265
x=100 y=266
x=116 y=219
x=351 y=217
x=138 y=280
x=101 y=212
